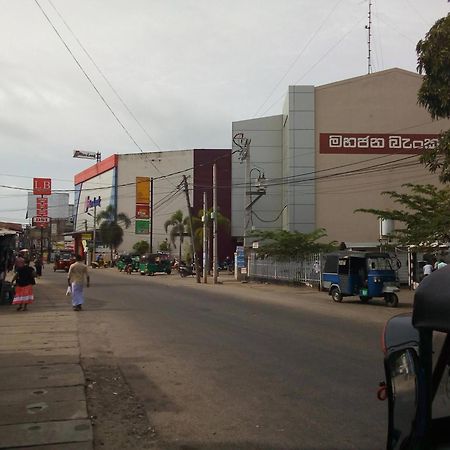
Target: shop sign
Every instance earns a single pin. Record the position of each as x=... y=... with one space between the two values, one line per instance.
x=142 y=211
x=142 y=190
x=41 y=222
x=84 y=155
x=42 y=206
x=240 y=257
x=142 y=226
x=92 y=203
x=367 y=143
x=42 y=186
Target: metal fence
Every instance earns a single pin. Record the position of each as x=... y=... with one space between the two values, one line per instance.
x=306 y=271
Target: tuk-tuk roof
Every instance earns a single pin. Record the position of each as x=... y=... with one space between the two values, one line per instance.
x=432 y=302
x=359 y=254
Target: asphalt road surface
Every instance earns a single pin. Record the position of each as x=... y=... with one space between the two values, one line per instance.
x=241 y=366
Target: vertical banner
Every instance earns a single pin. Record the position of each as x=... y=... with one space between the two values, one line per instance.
x=142 y=224
x=143 y=190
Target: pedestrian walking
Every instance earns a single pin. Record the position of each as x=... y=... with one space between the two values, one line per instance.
x=24 y=279
x=78 y=274
x=38 y=265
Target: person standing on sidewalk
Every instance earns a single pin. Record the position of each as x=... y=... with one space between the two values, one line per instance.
x=78 y=273
x=24 y=279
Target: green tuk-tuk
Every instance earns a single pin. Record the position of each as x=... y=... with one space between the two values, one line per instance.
x=130 y=261
x=155 y=263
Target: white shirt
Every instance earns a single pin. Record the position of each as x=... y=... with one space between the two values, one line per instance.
x=427 y=269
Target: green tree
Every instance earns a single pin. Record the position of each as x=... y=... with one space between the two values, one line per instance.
x=141 y=247
x=433 y=61
x=223 y=223
x=281 y=244
x=110 y=229
x=164 y=246
x=178 y=228
x=423 y=217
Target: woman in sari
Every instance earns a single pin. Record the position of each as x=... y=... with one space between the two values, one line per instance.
x=24 y=279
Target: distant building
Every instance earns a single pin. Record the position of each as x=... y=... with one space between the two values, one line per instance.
x=333 y=149
x=113 y=182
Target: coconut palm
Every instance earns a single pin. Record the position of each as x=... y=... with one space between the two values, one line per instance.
x=178 y=227
x=110 y=229
x=197 y=223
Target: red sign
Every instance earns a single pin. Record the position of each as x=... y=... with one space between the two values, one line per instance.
x=142 y=211
x=42 y=186
x=41 y=222
x=366 y=143
x=42 y=207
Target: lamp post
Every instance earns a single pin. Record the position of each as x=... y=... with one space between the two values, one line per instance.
x=259 y=192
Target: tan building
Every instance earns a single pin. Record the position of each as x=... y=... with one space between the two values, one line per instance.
x=334 y=149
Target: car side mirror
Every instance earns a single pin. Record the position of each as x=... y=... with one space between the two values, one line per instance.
x=402 y=383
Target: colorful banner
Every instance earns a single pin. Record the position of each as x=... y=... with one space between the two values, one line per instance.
x=143 y=190
x=142 y=227
x=42 y=186
x=142 y=211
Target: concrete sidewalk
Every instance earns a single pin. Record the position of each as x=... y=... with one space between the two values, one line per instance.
x=42 y=385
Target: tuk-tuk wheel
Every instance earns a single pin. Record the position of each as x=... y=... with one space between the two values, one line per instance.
x=336 y=295
x=391 y=300
x=364 y=299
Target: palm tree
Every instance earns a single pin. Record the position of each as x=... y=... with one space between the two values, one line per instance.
x=179 y=226
x=197 y=223
x=110 y=230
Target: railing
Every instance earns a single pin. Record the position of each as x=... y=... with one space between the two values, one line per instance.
x=305 y=271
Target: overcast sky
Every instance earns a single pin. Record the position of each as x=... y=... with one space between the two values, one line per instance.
x=185 y=69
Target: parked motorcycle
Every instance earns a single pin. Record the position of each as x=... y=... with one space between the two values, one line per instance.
x=185 y=270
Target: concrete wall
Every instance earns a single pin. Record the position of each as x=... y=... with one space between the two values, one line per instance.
x=299 y=160
x=265 y=156
x=154 y=165
x=384 y=102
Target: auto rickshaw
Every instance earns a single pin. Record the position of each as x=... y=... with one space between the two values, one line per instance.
x=366 y=274
x=63 y=260
x=128 y=263
x=155 y=263
x=417 y=369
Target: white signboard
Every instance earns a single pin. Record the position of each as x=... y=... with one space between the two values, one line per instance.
x=85 y=155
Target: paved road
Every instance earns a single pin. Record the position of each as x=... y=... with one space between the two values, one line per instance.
x=237 y=366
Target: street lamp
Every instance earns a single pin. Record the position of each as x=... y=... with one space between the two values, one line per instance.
x=260 y=190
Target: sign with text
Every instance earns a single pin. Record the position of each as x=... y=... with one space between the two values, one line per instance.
x=42 y=206
x=142 y=227
x=142 y=190
x=42 y=186
x=41 y=222
x=84 y=155
x=367 y=143
x=142 y=211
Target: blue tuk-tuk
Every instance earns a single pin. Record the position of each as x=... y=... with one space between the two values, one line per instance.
x=365 y=274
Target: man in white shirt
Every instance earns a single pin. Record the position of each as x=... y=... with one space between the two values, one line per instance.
x=427 y=269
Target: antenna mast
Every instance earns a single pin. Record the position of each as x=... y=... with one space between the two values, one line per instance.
x=369 y=35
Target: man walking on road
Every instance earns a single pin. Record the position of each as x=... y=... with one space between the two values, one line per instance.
x=78 y=272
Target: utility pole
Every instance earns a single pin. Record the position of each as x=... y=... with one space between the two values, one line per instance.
x=151 y=215
x=369 y=36
x=194 y=253
x=214 y=224
x=205 y=239
x=94 y=233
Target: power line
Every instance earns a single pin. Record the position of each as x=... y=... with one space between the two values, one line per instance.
x=87 y=76
x=300 y=54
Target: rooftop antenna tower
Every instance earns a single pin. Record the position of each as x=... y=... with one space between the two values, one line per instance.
x=369 y=36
